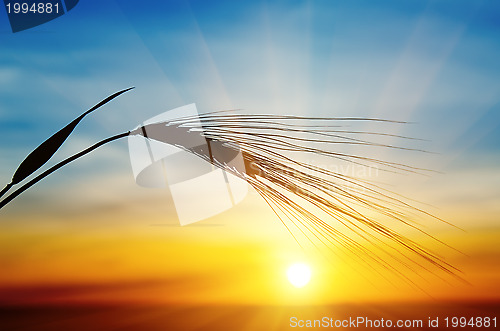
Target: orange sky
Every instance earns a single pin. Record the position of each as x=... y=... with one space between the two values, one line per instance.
x=129 y=253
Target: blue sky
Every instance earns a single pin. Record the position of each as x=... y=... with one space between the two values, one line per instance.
x=434 y=63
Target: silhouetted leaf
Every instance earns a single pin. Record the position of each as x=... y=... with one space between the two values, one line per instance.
x=44 y=152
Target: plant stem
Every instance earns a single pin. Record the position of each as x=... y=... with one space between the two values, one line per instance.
x=5 y=189
x=47 y=172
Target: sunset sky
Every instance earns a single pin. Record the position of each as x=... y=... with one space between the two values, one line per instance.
x=88 y=234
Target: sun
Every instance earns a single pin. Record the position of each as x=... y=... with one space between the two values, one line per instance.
x=299 y=274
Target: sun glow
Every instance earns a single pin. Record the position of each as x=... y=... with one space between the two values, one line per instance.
x=299 y=274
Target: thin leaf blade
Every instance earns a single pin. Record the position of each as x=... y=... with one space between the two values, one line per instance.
x=40 y=155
